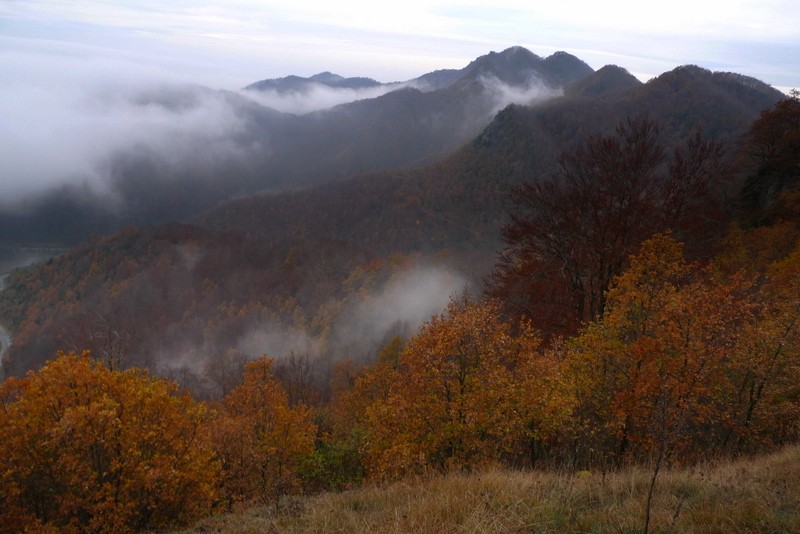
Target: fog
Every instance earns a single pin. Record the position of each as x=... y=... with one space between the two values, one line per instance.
x=503 y=94
x=64 y=118
x=92 y=141
x=358 y=331
x=67 y=118
x=316 y=97
x=400 y=307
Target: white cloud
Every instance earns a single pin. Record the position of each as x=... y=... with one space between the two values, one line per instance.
x=62 y=117
x=407 y=301
x=317 y=97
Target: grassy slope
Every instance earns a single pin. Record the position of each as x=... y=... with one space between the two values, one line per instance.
x=750 y=495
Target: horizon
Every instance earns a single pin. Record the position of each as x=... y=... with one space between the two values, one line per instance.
x=231 y=46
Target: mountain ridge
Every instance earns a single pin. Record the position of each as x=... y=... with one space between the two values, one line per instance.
x=268 y=150
x=297 y=259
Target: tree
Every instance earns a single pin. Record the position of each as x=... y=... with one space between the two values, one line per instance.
x=764 y=369
x=260 y=440
x=467 y=392
x=85 y=448
x=570 y=234
x=298 y=375
x=654 y=372
x=771 y=157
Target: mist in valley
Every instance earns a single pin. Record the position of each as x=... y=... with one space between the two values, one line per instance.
x=356 y=329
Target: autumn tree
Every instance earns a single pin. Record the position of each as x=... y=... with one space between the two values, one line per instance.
x=298 y=375
x=260 y=440
x=458 y=399
x=570 y=234
x=84 y=448
x=653 y=373
x=764 y=370
x=354 y=390
x=770 y=157
x=338 y=461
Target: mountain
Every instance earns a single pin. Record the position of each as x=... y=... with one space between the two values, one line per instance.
x=513 y=66
x=607 y=83
x=248 y=147
x=302 y=270
x=518 y=66
x=299 y=84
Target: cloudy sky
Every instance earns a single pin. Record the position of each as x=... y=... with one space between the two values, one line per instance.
x=232 y=43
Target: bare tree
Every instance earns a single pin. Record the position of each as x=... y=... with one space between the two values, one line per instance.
x=570 y=234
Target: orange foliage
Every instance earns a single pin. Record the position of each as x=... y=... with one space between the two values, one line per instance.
x=765 y=404
x=83 y=448
x=260 y=440
x=467 y=392
x=688 y=359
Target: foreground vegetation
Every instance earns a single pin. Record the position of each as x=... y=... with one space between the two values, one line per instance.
x=673 y=359
x=747 y=495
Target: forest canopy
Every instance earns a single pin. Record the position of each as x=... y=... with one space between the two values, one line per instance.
x=675 y=340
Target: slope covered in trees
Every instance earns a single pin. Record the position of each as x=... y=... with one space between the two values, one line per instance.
x=180 y=297
x=689 y=362
x=688 y=357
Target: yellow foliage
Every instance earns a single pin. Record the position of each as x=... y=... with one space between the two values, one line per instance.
x=83 y=448
x=259 y=439
x=468 y=392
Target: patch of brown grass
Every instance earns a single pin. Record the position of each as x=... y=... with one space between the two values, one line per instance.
x=748 y=495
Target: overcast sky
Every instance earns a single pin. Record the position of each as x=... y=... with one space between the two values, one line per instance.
x=230 y=44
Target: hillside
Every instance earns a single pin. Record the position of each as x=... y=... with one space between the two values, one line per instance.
x=749 y=495
x=482 y=418
x=287 y=271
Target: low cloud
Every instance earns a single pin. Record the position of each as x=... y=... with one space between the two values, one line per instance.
x=533 y=92
x=365 y=324
x=65 y=119
x=276 y=341
x=315 y=97
x=358 y=331
x=400 y=307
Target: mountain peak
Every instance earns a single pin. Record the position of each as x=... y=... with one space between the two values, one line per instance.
x=514 y=65
x=566 y=68
x=326 y=78
x=514 y=56
x=515 y=51
x=298 y=84
x=517 y=65
x=742 y=86
x=608 y=81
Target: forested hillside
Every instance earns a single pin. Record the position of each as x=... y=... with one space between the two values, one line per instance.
x=669 y=245
x=239 y=277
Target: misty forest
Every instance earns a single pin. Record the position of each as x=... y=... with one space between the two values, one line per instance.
x=315 y=286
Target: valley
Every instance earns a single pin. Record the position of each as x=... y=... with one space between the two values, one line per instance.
x=541 y=274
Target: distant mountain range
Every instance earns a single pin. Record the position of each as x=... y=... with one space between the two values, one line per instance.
x=514 y=66
x=411 y=125
x=299 y=84
x=413 y=179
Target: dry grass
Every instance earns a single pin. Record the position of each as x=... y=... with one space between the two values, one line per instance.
x=753 y=495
